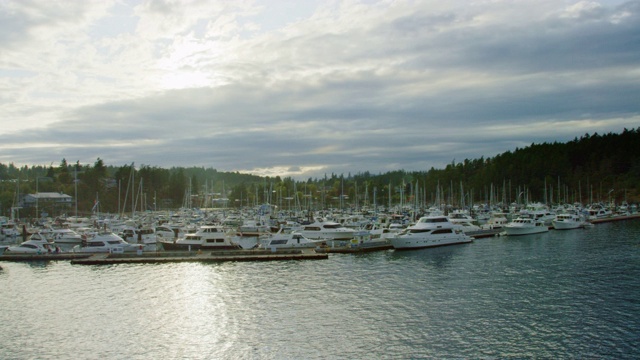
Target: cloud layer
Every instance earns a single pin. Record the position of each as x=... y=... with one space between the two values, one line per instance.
x=307 y=88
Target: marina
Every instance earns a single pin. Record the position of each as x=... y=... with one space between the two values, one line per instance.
x=177 y=257
x=164 y=257
x=286 y=249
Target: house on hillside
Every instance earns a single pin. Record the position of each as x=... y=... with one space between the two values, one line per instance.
x=47 y=201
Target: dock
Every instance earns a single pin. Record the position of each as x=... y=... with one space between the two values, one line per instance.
x=207 y=257
x=167 y=257
x=354 y=249
x=43 y=257
x=484 y=233
x=615 y=218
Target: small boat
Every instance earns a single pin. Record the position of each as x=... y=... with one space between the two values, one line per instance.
x=208 y=237
x=430 y=231
x=525 y=225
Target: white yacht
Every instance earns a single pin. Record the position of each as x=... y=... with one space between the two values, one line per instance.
x=539 y=211
x=377 y=231
x=208 y=237
x=37 y=244
x=9 y=230
x=462 y=218
x=568 y=220
x=364 y=240
x=326 y=230
x=430 y=231
x=598 y=211
x=166 y=232
x=251 y=227
x=525 y=225
x=288 y=240
x=144 y=235
x=497 y=220
x=106 y=242
x=63 y=236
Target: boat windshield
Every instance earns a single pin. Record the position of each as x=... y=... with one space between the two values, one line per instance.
x=418 y=231
x=433 y=220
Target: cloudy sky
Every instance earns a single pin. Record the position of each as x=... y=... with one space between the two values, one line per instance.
x=302 y=87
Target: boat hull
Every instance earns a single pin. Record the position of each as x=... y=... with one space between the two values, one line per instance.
x=414 y=242
x=567 y=225
x=175 y=246
x=516 y=231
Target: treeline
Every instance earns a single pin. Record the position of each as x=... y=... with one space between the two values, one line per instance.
x=590 y=168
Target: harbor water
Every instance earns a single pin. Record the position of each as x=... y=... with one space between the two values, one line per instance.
x=562 y=294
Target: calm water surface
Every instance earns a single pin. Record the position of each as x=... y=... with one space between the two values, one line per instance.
x=564 y=294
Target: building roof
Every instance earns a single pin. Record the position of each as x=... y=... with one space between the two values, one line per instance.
x=49 y=195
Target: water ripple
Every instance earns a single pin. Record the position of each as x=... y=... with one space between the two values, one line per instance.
x=571 y=294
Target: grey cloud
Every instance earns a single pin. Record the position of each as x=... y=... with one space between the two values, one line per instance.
x=409 y=93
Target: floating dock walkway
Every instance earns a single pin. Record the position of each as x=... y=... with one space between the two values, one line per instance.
x=615 y=218
x=206 y=257
x=43 y=257
x=354 y=249
x=168 y=257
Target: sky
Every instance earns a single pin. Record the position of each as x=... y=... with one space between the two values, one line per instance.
x=306 y=88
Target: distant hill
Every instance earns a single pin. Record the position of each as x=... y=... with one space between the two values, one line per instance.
x=590 y=168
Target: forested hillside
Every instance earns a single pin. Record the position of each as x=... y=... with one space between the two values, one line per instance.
x=590 y=168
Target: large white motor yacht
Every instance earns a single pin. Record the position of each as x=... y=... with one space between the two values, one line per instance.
x=107 y=242
x=37 y=244
x=327 y=230
x=566 y=221
x=430 y=231
x=288 y=240
x=208 y=237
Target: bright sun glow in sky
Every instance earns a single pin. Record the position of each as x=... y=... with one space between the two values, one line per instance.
x=304 y=88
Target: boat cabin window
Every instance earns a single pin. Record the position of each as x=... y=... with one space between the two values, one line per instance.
x=312 y=228
x=30 y=246
x=95 y=243
x=212 y=241
x=278 y=242
x=418 y=231
x=332 y=226
x=433 y=220
x=442 y=231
